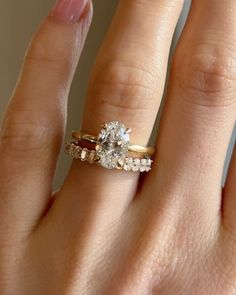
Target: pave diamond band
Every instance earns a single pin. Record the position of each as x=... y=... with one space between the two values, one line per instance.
x=128 y=163
x=112 y=149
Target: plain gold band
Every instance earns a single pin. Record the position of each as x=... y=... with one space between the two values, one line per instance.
x=139 y=149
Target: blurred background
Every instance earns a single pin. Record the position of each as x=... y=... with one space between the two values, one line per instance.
x=19 y=20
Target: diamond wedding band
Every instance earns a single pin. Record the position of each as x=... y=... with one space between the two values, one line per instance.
x=111 y=149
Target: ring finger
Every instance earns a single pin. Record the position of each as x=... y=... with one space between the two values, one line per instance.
x=126 y=85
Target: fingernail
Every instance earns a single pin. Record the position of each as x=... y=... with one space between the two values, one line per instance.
x=68 y=11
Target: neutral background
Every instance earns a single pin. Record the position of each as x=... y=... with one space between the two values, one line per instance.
x=18 y=21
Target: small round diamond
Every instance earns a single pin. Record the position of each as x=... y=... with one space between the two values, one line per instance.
x=149 y=164
x=136 y=165
x=128 y=164
x=143 y=164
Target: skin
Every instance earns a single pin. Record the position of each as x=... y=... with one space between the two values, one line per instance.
x=109 y=232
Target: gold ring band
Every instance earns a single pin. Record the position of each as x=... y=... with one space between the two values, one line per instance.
x=139 y=149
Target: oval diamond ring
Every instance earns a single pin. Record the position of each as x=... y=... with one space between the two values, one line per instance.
x=112 y=148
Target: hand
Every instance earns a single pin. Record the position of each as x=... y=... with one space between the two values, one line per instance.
x=173 y=231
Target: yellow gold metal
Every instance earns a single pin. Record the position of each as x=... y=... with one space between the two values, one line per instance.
x=83 y=136
x=144 y=150
x=137 y=149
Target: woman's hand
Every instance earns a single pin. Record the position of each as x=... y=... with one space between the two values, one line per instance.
x=107 y=231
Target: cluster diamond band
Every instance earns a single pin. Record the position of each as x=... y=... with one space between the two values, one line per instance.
x=111 y=149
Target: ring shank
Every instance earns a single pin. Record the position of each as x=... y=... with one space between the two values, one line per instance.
x=139 y=149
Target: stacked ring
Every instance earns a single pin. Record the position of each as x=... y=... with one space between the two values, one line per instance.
x=111 y=149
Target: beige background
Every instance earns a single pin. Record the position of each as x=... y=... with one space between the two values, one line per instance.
x=18 y=21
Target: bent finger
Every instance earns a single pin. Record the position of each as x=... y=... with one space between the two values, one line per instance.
x=34 y=122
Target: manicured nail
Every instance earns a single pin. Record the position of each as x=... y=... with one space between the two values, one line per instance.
x=68 y=11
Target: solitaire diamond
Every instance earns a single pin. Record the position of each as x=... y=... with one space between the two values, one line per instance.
x=112 y=145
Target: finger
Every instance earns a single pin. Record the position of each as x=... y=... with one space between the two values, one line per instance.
x=34 y=122
x=126 y=85
x=200 y=111
x=229 y=197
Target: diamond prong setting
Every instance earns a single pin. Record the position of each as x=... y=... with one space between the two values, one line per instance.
x=112 y=145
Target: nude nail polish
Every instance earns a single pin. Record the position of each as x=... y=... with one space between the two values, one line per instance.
x=68 y=11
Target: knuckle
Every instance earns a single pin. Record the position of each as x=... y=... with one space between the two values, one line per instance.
x=19 y=138
x=207 y=75
x=49 y=51
x=122 y=85
x=25 y=134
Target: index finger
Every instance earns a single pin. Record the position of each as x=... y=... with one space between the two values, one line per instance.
x=34 y=123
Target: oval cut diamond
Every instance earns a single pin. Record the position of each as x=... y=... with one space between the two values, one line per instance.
x=112 y=145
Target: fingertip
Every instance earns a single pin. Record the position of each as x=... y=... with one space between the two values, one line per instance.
x=70 y=11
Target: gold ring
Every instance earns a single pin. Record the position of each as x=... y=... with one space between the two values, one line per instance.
x=112 y=145
x=137 y=149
